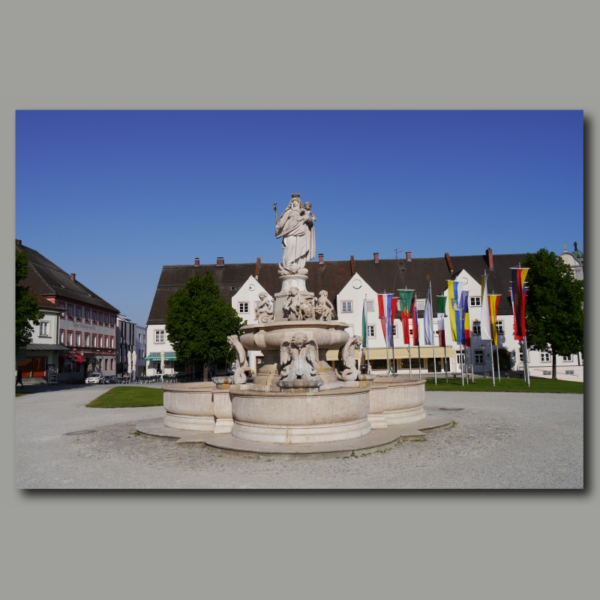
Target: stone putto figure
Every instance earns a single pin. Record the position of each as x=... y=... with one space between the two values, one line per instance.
x=324 y=307
x=306 y=310
x=291 y=308
x=264 y=310
x=296 y=228
x=300 y=358
x=346 y=357
x=241 y=363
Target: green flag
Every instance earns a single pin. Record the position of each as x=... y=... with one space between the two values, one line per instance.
x=405 y=298
x=441 y=304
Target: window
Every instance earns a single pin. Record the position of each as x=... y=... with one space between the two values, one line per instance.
x=44 y=329
x=62 y=305
x=94 y=340
x=420 y=304
x=347 y=307
x=395 y=332
x=106 y=319
x=500 y=327
x=70 y=311
x=243 y=307
x=69 y=338
x=112 y=319
x=545 y=356
x=106 y=364
x=100 y=318
x=112 y=341
x=521 y=355
x=159 y=337
x=460 y=358
x=62 y=337
x=78 y=339
x=106 y=341
x=478 y=357
x=87 y=340
x=112 y=364
x=568 y=358
x=546 y=372
x=94 y=316
x=370 y=305
x=476 y=327
x=87 y=314
x=78 y=313
x=99 y=341
x=370 y=331
x=569 y=372
x=475 y=301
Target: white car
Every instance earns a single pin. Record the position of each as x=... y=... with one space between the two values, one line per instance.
x=95 y=378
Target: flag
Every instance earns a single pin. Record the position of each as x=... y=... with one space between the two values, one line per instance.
x=387 y=312
x=428 y=320
x=415 y=318
x=441 y=329
x=364 y=325
x=464 y=319
x=454 y=296
x=494 y=299
x=405 y=300
x=518 y=289
x=441 y=305
x=486 y=332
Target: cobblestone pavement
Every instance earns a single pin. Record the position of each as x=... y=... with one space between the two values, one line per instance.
x=499 y=440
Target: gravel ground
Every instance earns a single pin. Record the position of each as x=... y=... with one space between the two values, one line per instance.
x=500 y=440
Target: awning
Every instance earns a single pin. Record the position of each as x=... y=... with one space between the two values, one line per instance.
x=155 y=356
x=380 y=353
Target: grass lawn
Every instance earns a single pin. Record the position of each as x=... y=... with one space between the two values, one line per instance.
x=505 y=385
x=128 y=396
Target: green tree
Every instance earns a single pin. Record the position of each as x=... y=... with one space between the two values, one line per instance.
x=554 y=306
x=27 y=312
x=199 y=321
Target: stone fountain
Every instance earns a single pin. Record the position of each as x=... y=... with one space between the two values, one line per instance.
x=296 y=397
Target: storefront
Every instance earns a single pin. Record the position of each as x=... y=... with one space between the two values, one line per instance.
x=153 y=363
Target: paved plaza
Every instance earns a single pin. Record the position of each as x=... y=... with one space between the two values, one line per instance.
x=499 y=440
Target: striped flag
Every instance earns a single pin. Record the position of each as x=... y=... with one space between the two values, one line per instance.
x=519 y=291
x=464 y=319
x=387 y=313
x=415 y=318
x=454 y=296
x=486 y=332
x=494 y=299
x=428 y=320
x=441 y=329
x=405 y=298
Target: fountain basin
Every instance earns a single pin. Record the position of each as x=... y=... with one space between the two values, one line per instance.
x=399 y=399
x=283 y=418
x=190 y=406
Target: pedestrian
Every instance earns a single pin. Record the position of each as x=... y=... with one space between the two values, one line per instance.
x=20 y=377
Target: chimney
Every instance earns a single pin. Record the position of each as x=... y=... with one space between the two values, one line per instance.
x=257 y=269
x=490 y=258
x=196 y=262
x=376 y=255
x=408 y=256
x=449 y=262
x=72 y=276
x=320 y=259
x=220 y=261
x=352 y=265
x=19 y=243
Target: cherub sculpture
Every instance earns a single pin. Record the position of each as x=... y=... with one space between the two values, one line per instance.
x=264 y=310
x=307 y=310
x=300 y=358
x=346 y=357
x=241 y=363
x=291 y=308
x=324 y=307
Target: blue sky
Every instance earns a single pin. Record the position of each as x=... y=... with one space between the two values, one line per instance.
x=114 y=195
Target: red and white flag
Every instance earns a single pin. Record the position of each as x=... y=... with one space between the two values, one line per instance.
x=441 y=330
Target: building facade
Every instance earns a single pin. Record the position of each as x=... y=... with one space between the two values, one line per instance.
x=350 y=284
x=86 y=323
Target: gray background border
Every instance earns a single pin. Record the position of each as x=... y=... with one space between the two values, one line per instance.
x=337 y=55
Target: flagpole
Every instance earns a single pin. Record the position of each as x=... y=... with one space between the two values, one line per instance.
x=433 y=334
x=493 y=374
x=498 y=355
x=416 y=326
x=526 y=357
x=445 y=357
x=367 y=338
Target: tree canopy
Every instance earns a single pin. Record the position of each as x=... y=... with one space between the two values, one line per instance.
x=554 y=306
x=27 y=311
x=198 y=321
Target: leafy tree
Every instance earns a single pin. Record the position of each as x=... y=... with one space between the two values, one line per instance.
x=199 y=321
x=554 y=306
x=27 y=312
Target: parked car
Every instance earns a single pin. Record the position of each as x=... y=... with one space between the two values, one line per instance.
x=110 y=379
x=95 y=378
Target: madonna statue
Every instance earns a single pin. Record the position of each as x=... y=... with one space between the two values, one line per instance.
x=296 y=228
